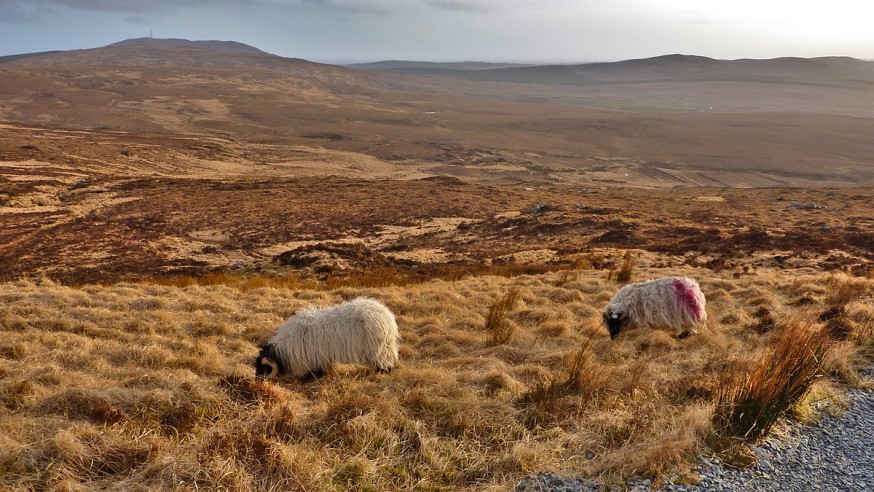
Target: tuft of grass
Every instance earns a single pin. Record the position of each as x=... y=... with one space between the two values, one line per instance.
x=584 y=377
x=836 y=323
x=844 y=295
x=844 y=290
x=583 y=369
x=624 y=272
x=752 y=396
x=498 y=323
x=566 y=276
x=764 y=321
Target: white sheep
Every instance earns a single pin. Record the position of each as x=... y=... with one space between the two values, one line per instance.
x=360 y=331
x=673 y=303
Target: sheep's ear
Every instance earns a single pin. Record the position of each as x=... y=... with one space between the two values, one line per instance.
x=274 y=367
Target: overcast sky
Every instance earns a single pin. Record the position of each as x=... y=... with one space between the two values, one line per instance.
x=337 y=31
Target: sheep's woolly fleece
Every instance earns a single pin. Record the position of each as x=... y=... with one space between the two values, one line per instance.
x=362 y=331
x=674 y=303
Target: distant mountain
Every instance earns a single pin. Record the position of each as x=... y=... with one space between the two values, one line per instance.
x=229 y=46
x=148 y=52
x=403 y=66
x=9 y=58
x=221 y=85
x=666 y=68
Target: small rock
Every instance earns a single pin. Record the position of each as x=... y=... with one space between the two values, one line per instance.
x=536 y=208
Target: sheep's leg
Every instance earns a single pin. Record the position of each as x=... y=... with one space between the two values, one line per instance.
x=385 y=370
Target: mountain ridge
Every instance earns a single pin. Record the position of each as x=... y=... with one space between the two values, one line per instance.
x=664 y=68
x=672 y=67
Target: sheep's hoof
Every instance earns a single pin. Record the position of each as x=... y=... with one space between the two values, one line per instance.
x=384 y=370
x=686 y=334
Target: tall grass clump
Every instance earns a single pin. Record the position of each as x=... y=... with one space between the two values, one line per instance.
x=498 y=323
x=624 y=272
x=566 y=276
x=584 y=378
x=842 y=303
x=583 y=368
x=844 y=290
x=752 y=396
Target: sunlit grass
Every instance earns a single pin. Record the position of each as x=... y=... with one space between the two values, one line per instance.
x=754 y=394
x=150 y=385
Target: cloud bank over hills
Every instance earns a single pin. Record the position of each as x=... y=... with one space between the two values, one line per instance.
x=517 y=31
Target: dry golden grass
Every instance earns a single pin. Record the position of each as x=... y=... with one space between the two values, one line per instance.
x=498 y=323
x=624 y=273
x=383 y=277
x=752 y=395
x=151 y=387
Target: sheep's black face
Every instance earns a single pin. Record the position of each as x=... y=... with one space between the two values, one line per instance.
x=266 y=365
x=615 y=323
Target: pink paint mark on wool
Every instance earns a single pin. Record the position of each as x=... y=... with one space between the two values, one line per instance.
x=686 y=297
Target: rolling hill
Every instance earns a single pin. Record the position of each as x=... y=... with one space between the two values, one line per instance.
x=683 y=121
x=668 y=68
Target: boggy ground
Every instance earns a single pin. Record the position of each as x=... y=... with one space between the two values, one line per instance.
x=144 y=386
x=108 y=207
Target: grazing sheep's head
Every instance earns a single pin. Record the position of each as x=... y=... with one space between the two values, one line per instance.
x=266 y=365
x=615 y=318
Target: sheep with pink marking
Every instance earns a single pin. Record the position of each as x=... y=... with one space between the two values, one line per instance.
x=671 y=303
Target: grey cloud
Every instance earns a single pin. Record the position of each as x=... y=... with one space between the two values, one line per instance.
x=25 y=10
x=363 y=6
x=14 y=13
x=32 y=11
x=20 y=11
x=164 y=6
x=472 y=6
x=135 y=6
x=135 y=19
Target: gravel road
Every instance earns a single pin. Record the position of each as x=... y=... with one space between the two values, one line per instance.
x=835 y=454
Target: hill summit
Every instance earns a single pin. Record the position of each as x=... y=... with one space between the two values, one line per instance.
x=228 y=46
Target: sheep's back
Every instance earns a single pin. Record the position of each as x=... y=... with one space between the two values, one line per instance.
x=361 y=331
x=656 y=304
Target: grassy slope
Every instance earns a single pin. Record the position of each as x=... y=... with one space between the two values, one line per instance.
x=143 y=386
